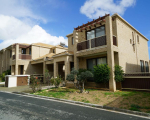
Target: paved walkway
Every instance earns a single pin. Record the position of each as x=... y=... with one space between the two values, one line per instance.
x=19 y=88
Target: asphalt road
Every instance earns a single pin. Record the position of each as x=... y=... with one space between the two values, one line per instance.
x=18 y=107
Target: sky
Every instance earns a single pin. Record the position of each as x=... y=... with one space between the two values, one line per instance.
x=49 y=21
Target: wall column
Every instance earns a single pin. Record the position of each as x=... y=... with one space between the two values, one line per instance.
x=55 y=69
x=44 y=68
x=110 y=52
x=17 y=57
x=67 y=67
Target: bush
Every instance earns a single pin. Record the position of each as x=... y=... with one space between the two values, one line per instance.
x=2 y=76
x=35 y=84
x=56 y=81
x=102 y=73
x=118 y=73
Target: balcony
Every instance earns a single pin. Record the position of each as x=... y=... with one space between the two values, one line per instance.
x=22 y=57
x=25 y=56
x=88 y=44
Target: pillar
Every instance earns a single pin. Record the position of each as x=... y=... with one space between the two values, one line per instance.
x=16 y=60
x=44 y=68
x=110 y=52
x=67 y=67
x=55 y=69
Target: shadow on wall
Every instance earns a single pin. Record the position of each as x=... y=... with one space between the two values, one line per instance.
x=131 y=68
x=34 y=68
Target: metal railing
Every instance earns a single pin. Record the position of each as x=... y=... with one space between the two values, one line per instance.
x=95 y=42
x=137 y=74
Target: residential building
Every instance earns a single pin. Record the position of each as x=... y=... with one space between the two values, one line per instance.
x=17 y=57
x=108 y=39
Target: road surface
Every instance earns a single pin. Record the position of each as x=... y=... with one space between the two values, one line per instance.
x=18 y=107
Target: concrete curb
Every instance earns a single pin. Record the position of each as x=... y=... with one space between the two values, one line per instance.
x=89 y=104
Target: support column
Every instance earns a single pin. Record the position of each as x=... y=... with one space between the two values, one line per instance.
x=17 y=57
x=55 y=69
x=110 y=52
x=44 y=68
x=67 y=67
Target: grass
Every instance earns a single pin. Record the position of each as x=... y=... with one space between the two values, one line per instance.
x=131 y=100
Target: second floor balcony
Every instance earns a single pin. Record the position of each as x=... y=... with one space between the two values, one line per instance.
x=95 y=42
x=22 y=57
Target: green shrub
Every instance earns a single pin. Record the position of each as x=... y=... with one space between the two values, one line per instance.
x=35 y=83
x=2 y=76
x=72 y=76
x=56 y=81
x=102 y=73
x=118 y=73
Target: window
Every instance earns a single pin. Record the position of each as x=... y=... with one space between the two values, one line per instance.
x=138 y=39
x=72 y=40
x=23 y=51
x=29 y=51
x=96 y=61
x=100 y=31
x=146 y=66
x=142 y=65
x=53 y=50
x=10 y=53
x=132 y=36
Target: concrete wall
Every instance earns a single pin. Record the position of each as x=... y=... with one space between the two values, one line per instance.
x=129 y=57
x=38 y=51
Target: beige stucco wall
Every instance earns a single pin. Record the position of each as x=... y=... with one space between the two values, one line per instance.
x=59 y=50
x=129 y=59
x=38 y=51
x=4 y=60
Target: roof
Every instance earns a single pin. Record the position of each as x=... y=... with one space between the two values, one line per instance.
x=69 y=34
x=64 y=53
x=58 y=46
x=90 y=23
x=43 y=44
x=116 y=15
x=47 y=55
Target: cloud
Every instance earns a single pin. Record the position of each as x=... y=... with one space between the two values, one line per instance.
x=13 y=30
x=19 y=9
x=95 y=8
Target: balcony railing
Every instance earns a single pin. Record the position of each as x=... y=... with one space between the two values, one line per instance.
x=24 y=56
x=96 y=42
x=114 y=40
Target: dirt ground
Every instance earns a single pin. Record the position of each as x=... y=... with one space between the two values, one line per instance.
x=132 y=100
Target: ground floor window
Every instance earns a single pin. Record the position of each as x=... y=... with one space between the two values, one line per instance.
x=142 y=65
x=95 y=61
x=146 y=66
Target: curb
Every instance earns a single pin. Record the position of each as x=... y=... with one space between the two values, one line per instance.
x=90 y=105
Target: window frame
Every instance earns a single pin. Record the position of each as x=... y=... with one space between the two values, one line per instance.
x=22 y=51
x=138 y=39
x=72 y=40
x=146 y=67
x=10 y=53
x=142 y=67
x=96 y=60
x=95 y=31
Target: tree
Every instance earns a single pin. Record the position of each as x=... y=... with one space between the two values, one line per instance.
x=47 y=77
x=118 y=73
x=102 y=73
x=83 y=78
x=72 y=76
